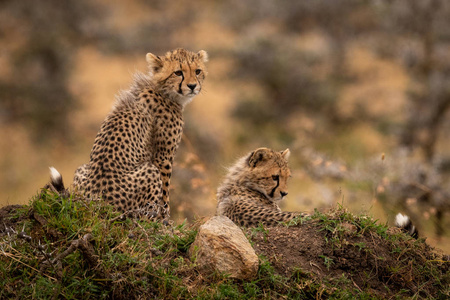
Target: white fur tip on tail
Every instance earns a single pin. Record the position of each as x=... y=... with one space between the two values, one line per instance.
x=54 y=174
x=401 y=220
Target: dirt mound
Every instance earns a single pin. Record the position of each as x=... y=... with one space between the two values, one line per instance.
x=67 y=247
x=361 y=257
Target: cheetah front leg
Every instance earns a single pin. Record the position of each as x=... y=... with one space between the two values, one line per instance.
x=165 y=169
x=247 y=213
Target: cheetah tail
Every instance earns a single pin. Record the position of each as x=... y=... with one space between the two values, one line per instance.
x=56 y=180
x=404 y=222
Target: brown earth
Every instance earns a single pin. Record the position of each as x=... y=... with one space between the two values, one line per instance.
x=369 y=262
x=7 y=219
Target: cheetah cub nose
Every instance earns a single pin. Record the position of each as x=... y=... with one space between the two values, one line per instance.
x=283 y=194
x=192 y=86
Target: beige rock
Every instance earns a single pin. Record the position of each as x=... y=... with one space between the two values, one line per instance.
x=221 y=246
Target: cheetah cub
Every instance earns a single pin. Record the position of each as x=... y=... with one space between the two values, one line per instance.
x=253 y=187
x=131 y=161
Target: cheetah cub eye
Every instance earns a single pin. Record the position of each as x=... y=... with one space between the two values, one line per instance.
x=276 y=177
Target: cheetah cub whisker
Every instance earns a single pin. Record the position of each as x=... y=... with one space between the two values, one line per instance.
x=131 y=161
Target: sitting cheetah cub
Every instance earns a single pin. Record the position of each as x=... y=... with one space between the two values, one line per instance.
x=131 y=161
x=253 y=187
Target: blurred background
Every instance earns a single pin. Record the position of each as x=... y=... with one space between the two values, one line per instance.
x=358 y=90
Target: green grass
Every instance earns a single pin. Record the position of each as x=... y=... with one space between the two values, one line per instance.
x=142 y=259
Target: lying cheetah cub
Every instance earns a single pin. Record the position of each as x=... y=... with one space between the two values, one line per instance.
x=131 y=161
x=253 y=187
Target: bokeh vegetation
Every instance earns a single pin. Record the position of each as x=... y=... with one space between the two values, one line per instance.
x=358 y=90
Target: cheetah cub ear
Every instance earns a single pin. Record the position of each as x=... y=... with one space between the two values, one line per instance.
x=285 y=154
x=259 y=156
x=155 y=62
x=203 y=55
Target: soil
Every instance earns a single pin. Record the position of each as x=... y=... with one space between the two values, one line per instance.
x=7 y=219
x=366 y=259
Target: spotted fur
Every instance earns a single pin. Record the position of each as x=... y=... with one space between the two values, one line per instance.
x=131 y=161
x=253 y=188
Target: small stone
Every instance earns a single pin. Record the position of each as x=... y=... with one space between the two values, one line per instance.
x=221 y=246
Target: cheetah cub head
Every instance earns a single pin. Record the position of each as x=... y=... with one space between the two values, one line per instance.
x=179 y=74
x=267 y=172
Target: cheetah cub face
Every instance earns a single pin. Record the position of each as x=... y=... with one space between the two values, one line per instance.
x=179 y=73
x=267 y=172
